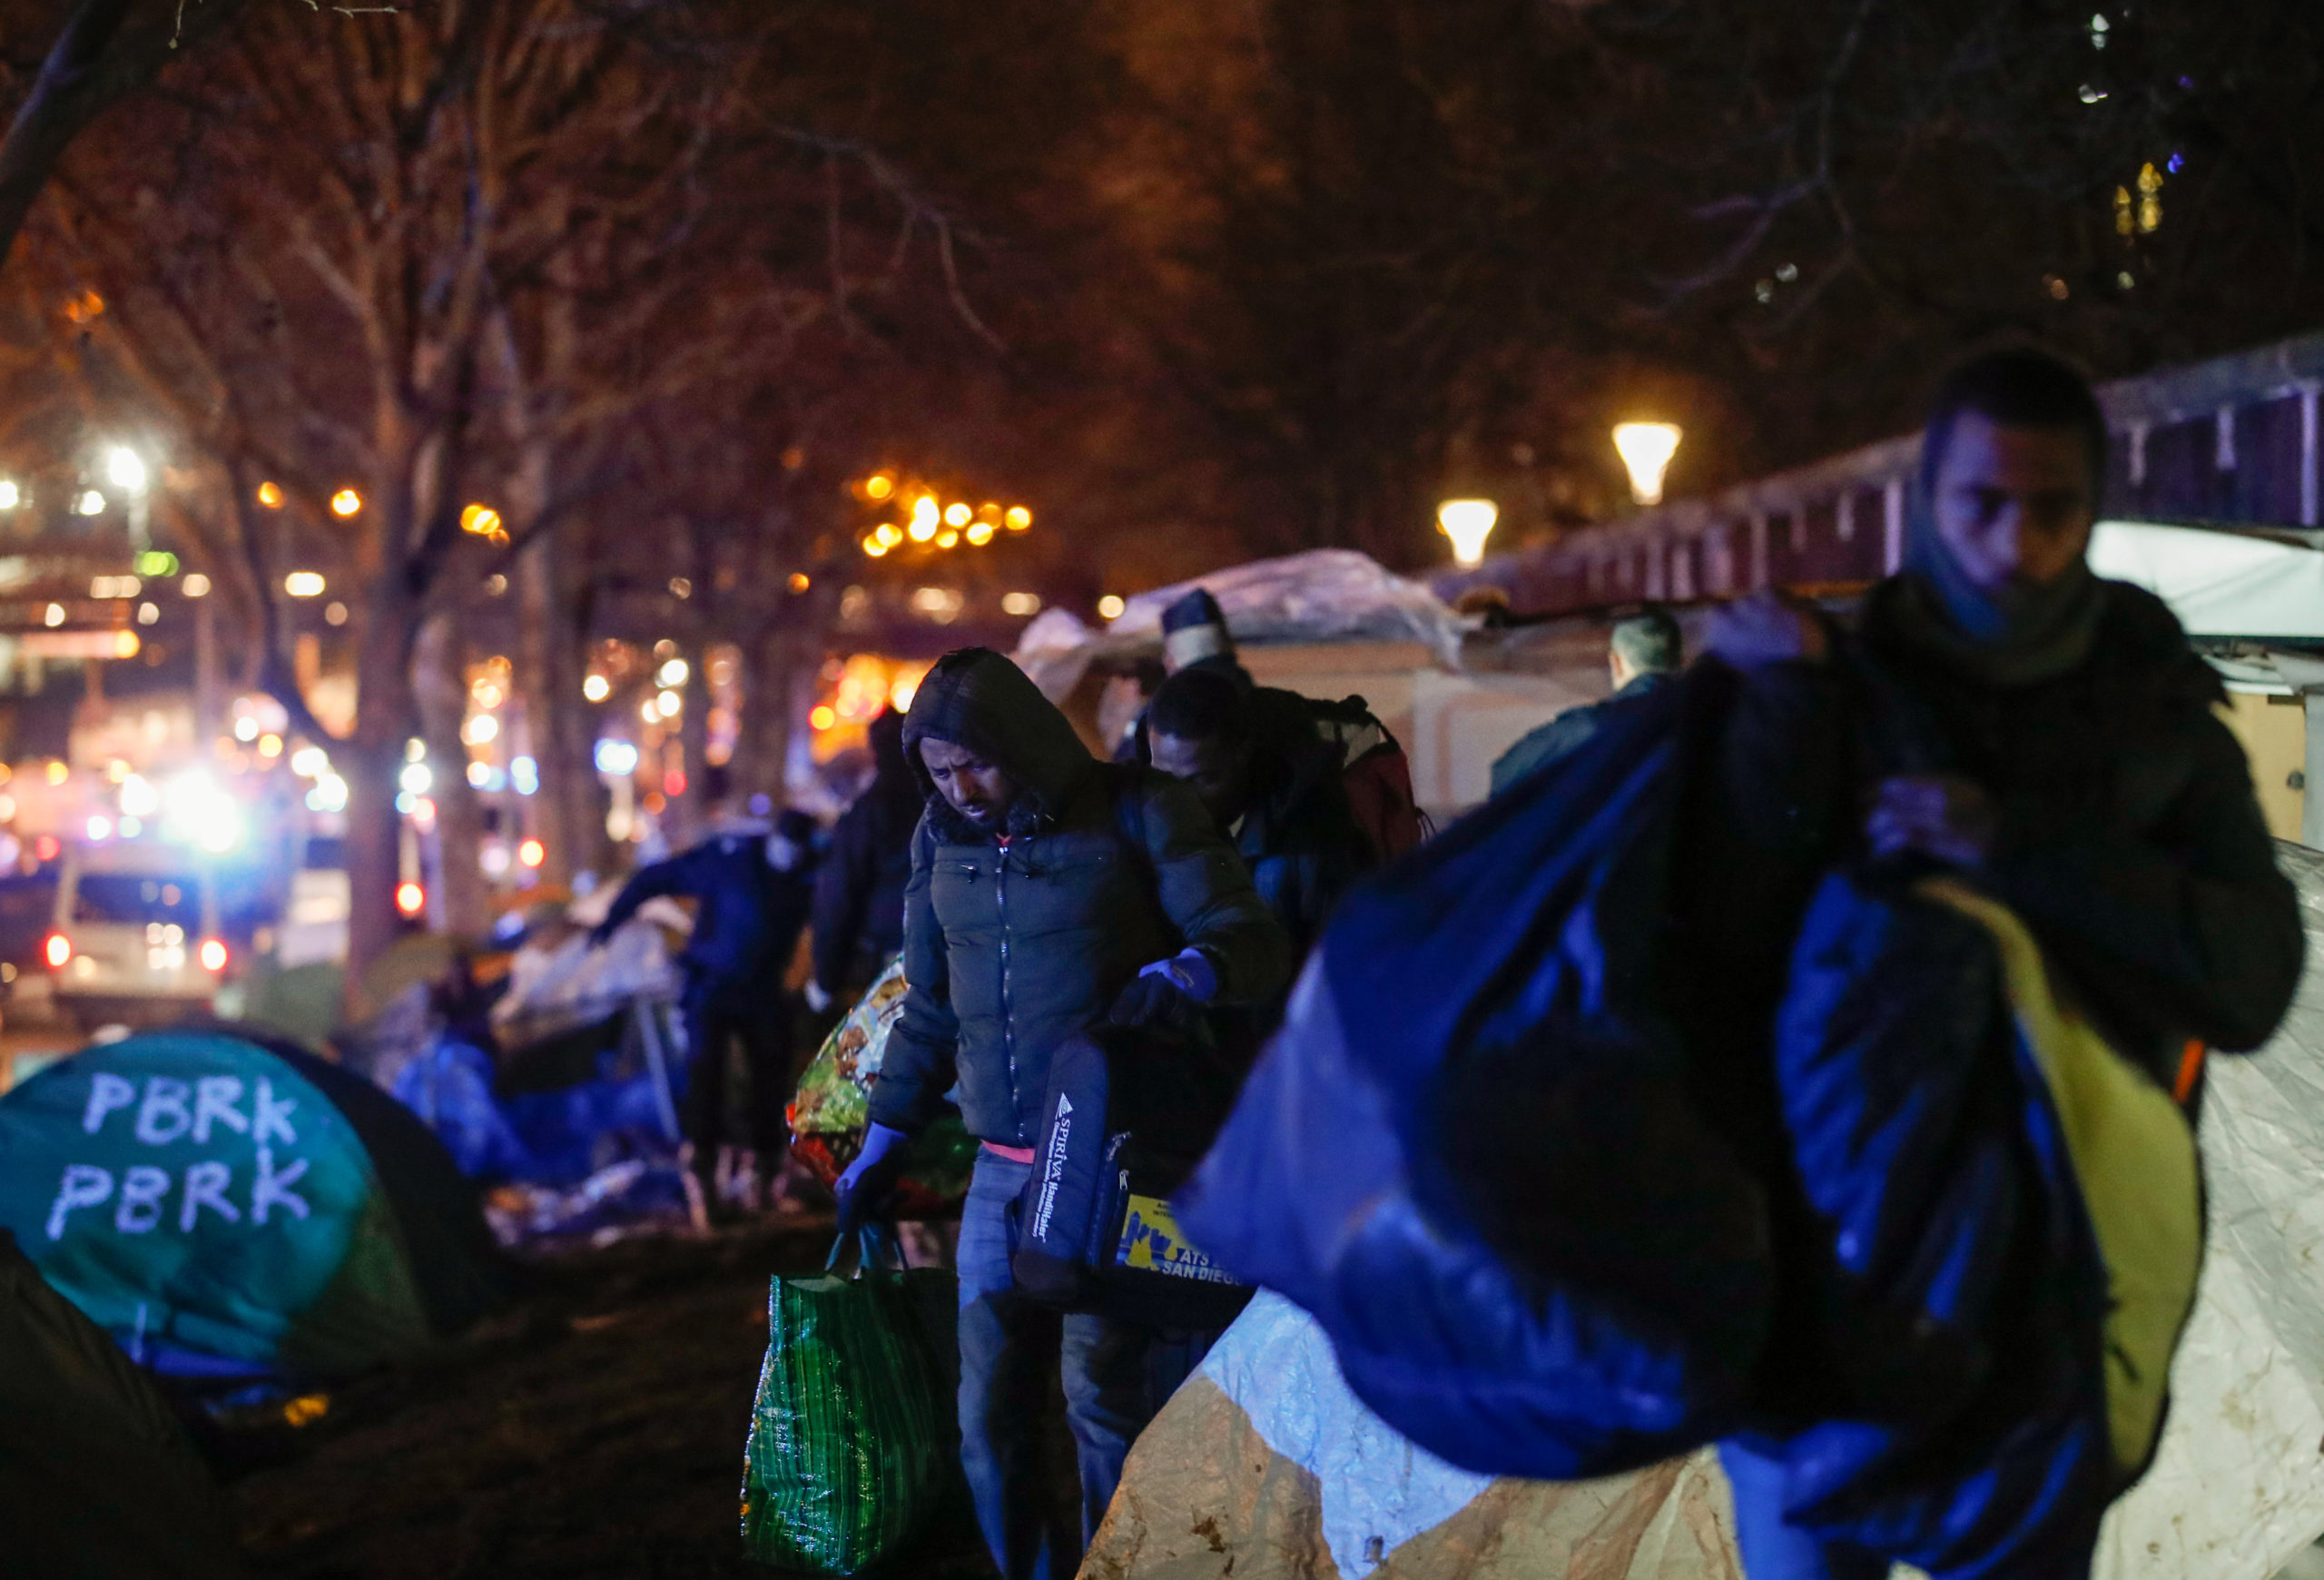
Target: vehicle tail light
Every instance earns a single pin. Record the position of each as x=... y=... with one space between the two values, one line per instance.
x=57 y=950
x=212 y=954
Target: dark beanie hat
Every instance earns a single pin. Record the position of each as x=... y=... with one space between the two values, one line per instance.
x=1197 y=608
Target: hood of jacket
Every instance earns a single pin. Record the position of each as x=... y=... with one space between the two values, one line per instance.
x=976 y=698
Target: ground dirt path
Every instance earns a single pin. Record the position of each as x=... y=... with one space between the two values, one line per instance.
x=593 y=1428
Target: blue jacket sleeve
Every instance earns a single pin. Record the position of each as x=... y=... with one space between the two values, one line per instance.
x=674 y=877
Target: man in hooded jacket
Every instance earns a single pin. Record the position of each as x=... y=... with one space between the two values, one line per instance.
x=2048 y=734
x=1050 y=893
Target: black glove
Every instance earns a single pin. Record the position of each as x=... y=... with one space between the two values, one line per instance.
x=1155 y=1000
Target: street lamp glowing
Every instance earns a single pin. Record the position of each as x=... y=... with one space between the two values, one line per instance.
x=924 y=516
x=596 y=688
x=1646 y=449
x=346 y=502
x=126 y=468
x=1468 y=522
x=271 y=496
x=1018 y=518
x=303 y=584
x=956 y=514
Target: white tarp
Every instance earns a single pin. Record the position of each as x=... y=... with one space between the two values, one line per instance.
x=2239 y=1484
x=2219 y=584
x=1325 y=595
x=1379 y=1489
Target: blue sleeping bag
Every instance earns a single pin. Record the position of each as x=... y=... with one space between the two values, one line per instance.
x=2014 y=1223
x=1472 y=1152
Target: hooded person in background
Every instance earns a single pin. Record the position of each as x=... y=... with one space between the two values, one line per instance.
x=752 y=884
x=858 y=916
x=2083 y=778
x=1643 y=653
x=1273 y=787
x=1050 y=894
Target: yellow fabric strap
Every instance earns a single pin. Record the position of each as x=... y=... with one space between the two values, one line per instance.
x=2133 y=1154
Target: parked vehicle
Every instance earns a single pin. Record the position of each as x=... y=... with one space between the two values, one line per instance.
x=136 y=938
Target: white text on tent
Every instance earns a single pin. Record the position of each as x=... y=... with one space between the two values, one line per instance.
x=173 y=1110
x=140 y=1208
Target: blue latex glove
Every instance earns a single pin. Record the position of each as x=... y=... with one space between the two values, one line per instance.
x=1168 y=993
x=1191 y=969
x=864 y=1190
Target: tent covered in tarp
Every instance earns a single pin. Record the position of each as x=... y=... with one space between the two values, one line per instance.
x=1264 y=1467
x=96 y=1477
x=228 y=1208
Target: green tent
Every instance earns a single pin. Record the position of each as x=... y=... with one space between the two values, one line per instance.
x=96 y=1477
x=228 y=1206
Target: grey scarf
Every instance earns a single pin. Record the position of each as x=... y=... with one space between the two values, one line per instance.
x=2014 y=635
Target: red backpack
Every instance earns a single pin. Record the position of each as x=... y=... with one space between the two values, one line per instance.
x=1375 y=774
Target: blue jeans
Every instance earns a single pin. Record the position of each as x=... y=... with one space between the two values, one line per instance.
x=1771 y=1549
x=1117 y=1374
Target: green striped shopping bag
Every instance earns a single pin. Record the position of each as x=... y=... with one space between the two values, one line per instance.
x=853 y=1439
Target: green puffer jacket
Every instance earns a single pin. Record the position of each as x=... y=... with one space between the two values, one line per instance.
x=1010 y=951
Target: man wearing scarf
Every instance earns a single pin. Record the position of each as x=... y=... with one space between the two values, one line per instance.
x=2047 y=732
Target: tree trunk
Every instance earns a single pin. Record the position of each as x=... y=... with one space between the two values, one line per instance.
x=439 y=685
x=373 y=760
x=573 y=728
x=540 y=682
x=554 y=661
x=766 y=711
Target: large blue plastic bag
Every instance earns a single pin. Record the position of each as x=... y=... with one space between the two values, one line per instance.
x=1473 y=1153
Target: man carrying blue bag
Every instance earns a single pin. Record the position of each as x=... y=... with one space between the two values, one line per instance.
x=1805 y=1064
x=1060 y=911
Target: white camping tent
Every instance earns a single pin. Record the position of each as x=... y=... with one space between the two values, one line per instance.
x=1266 y=1467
